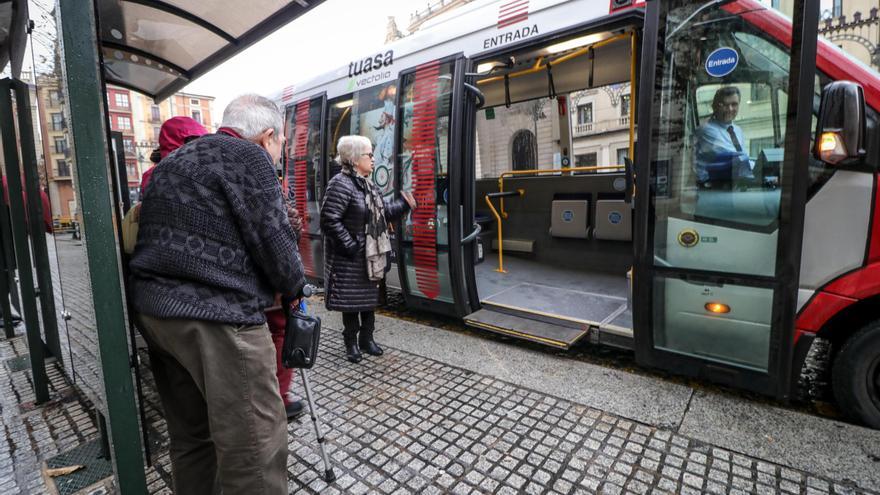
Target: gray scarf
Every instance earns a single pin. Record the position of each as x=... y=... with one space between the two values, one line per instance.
x=378 y=245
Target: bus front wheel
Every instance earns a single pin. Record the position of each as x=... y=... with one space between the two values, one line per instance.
x=856 y=376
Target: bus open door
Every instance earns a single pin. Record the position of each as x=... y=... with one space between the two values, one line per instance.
x=434 y=242
x=725 y=122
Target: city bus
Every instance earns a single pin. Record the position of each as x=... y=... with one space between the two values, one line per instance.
x=695 y=181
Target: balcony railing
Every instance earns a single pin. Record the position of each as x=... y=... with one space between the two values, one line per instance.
x=607 y=125
x=584 y=128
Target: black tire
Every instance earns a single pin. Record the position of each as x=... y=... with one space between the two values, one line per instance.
x=856 y=376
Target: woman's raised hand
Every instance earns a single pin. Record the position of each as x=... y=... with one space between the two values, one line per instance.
x=408 y=197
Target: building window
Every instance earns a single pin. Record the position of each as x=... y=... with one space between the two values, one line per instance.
x=57 y=122
x=60 y=145
x=760 y=92
x=54 y=98
x=624 y=105
x=622 y=154
x=156 y=131
x=585 y=113
x=123 y=123
x=197 y=115
x=132 y=172
x=525 y=150
x=837 y=8
x=586 y=160
x=155 y=115
x=62 y=169
x=128 y=144
x=756 y=145
x=194 y=101
x=775 y=4
x=121 y=100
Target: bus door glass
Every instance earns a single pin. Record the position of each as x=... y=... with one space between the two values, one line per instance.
x=429 y=161
x=712 y=293
x=303 y=176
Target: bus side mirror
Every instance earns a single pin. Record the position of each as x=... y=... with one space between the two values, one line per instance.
x=840 y=131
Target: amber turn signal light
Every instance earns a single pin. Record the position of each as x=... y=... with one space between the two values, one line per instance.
x=831 y=148
x=717 y=307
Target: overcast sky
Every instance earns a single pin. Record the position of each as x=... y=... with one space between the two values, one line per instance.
x=327 y=37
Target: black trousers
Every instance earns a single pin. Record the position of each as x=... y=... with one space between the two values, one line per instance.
x=354 y=321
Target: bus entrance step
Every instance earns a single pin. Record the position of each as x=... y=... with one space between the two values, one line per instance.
x=542 y=332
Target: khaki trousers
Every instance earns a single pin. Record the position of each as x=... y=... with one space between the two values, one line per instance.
x=225 y=418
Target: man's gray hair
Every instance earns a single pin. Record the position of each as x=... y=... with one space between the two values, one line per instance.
x=350 y=148
x=251 y=114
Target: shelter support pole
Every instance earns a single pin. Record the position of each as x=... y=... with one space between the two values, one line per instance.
x=82 y=75
x=20 y=240
x=35 y=217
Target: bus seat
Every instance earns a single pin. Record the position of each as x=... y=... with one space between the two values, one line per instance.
x=570 y=218
x=613 y=220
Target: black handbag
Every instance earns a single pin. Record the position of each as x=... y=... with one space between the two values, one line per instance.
x=301 y=336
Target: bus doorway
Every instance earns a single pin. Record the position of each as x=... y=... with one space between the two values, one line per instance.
x=552 y=189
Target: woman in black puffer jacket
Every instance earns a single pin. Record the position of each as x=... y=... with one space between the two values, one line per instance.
x=354 y=219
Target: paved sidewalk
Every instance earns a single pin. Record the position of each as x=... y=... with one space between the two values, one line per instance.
x=448 y=412
x=32 y=433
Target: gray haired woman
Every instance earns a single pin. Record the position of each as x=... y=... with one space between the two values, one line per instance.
x=354 y=219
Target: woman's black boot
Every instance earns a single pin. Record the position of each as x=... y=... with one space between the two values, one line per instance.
x=366 y=342
x=352 y=353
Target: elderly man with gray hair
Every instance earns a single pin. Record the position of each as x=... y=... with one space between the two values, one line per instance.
x=214 y=247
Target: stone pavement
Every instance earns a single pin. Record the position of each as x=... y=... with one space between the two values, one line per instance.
x=450 y=412
x=32 y=433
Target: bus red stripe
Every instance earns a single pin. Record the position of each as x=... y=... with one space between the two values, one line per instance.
x=423 y=167
x=512 y=5
x=513 y=20
x=300 y=182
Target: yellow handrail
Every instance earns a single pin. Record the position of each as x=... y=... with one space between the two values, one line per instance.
x=500 y=268
x=538 y=67
x=539 y=171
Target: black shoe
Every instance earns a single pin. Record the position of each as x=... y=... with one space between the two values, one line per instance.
x=367 y=344
x=352 y=353
x=294 y=409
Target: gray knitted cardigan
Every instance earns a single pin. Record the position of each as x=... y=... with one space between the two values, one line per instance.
x=214 y=241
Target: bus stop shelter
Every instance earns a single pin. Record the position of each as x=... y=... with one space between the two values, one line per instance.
x=68 y=287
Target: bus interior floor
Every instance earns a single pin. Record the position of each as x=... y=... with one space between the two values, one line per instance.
x=531 y=287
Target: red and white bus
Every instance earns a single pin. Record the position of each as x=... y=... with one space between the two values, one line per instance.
x=716 y=221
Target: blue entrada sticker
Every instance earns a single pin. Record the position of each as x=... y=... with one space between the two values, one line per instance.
x=721 y=62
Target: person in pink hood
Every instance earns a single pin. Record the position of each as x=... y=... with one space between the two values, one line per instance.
x=44 y=199
x=175 y=132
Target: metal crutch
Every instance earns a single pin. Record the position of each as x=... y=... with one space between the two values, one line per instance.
x=329 y=475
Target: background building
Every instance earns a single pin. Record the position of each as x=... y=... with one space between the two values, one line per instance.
x=148 y=117
x=121 y=120
x=52 y=117
x=853 y=25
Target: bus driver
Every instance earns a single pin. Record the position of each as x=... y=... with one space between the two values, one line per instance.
x=720 y=158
